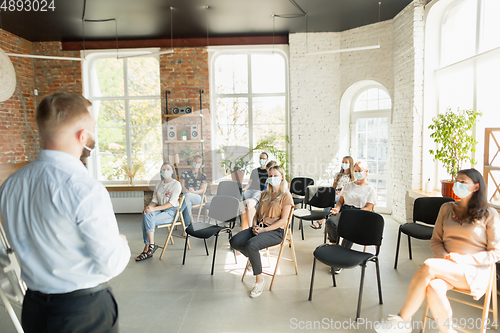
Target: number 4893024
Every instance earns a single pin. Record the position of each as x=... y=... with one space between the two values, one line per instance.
x=28 y=5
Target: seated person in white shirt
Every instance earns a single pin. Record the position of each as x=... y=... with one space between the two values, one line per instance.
x=358 y=194
x=194 y=184
x=61 y=224
x=251 y=192
x=161 y=210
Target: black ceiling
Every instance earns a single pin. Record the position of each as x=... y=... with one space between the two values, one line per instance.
x=150 y=19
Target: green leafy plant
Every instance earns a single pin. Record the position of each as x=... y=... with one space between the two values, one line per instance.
x=184 y=133
x=453 y=133
x=188 y=153
x=233 y=161
x=269 y=145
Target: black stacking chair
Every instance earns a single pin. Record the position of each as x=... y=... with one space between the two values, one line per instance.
x=298 y=186
x=360 y=227
x=223 y=209
x=322 y=198
x=425 y=210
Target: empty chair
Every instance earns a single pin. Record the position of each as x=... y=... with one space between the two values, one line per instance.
x=316 y=196
x=223 y=209
x=229 y=188
x=360 y=227
x=425 y=210
x=298 y=186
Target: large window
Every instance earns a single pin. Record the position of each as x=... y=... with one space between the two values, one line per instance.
x=468 y=66
x=126 y=102
x=370 y=119
x=249 y=94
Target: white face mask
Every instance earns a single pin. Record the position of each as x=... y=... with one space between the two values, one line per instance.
x=93 y=139
x=359 y=175
x=345 y=166
x=196 y=165
x=166 y=174
x=461 y=190
x=274 y=181
x=262 y=162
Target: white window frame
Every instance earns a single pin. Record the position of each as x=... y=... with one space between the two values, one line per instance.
x=379 y=113
x=90 y=58
x=214 y=53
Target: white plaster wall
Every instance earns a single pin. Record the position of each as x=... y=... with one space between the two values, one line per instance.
x=318 y=82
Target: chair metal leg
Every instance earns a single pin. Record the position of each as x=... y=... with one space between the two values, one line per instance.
x=312 y=280
x=332 y=270
x=215 y=249
x=360 y=297
x=379 y=282
x=302 y=228
x=185 y=247
x=409 y=246
x=234 y=252
x=397 y=249
x=206 y=248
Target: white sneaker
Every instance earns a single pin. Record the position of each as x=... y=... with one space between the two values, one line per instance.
x=394 y=324
x=257 y=289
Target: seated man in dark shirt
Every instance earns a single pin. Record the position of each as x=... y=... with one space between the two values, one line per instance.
x=251 y=192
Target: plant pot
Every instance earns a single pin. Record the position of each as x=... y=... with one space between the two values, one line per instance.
x=184 y=138
x=447 y=189
x=188 y=162
x=237 y=176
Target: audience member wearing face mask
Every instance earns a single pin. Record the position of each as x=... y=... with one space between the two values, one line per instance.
x=344 y=176
x=267 y=226
x=251 y=192
x=194 y=184
x=358 y=194
x=161 y=210
x=465 y=242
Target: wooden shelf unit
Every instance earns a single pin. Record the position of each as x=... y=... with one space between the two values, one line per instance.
x=492 y=139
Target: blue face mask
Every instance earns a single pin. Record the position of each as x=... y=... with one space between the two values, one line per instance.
x=196 y=165
x=345 y=166
x=461 y=190
x=359 y=175
x=166 y=174
x=274 y=181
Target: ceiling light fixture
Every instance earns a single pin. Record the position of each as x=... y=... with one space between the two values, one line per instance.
x=351 y=49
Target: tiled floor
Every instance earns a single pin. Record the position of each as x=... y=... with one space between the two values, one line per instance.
x=165 y=296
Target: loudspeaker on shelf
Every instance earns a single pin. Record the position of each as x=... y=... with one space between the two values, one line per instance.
x=172 y=132
x=195 y=132
x=182 y=110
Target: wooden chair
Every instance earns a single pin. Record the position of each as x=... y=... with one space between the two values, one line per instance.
x=178 y=221
x=286 y=237
x=201 y=204
x=489 y=297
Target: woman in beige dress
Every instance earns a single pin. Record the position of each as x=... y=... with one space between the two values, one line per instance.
x=465 y=242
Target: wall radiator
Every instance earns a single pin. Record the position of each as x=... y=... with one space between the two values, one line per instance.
x=127 y=201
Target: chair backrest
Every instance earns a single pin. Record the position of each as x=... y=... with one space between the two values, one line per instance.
x=224 y=208
x=299 y=185
x=426 y=209
x=230 y=188
x=361 y=227
x=320 y=196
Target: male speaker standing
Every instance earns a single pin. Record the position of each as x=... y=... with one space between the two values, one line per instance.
x=61 y=224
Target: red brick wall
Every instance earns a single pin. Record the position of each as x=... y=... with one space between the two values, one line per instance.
x=18 y=131
x=184 y=73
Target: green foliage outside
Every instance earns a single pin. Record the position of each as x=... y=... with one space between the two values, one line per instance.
x=453 y=133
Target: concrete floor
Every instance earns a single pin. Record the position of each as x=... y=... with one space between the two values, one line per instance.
x=165 y=296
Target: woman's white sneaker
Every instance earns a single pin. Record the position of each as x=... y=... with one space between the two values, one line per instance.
x=394 y=324
x=257 y=289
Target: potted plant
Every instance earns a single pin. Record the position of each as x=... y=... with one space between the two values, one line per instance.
x=453 y=133
x=184 y=135
x=234 y=162
x=269 y=145
x=131 y=171
x=188 y=154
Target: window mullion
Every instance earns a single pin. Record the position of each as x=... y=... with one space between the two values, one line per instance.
x=128 y=140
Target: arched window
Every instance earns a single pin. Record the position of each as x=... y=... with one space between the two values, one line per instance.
x=370 y=119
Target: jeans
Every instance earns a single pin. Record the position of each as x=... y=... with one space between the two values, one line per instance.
x=190 y=199
x=150 y=220
x=249 y=244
